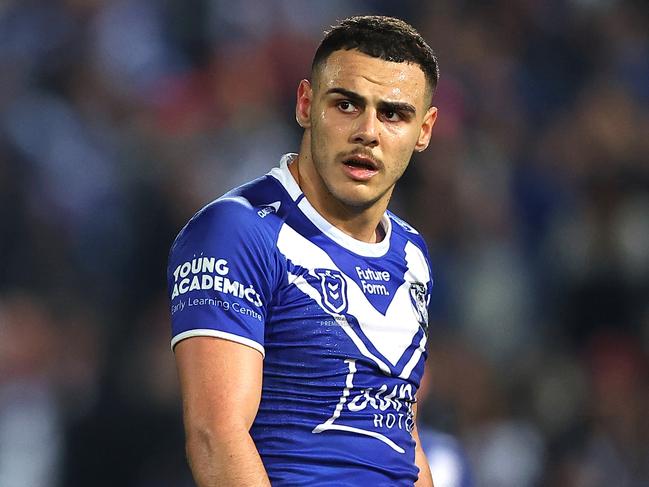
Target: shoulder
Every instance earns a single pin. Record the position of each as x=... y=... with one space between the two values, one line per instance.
x=415 y=248
x=237 y=231
x=252 y=212
x=404 y=230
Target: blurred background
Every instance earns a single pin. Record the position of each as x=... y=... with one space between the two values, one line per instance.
x=119 y=119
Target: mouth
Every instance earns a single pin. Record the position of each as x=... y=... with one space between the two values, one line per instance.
x=360 y=168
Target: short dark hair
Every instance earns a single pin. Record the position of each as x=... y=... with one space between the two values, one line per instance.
x=381 y=37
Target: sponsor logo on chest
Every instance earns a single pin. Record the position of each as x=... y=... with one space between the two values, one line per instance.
x=373 y=281
x=372 y=411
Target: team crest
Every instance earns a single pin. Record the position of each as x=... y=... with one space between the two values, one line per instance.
x=334 y=290
x=418 y=300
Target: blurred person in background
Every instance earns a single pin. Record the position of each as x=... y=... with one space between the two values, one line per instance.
x=298 y=302
x=31 y=420
x=611 y=446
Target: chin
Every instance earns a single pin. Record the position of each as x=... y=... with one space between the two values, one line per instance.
x=355 y=200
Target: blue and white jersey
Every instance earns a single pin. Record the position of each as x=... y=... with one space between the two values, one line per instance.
x=342 y=325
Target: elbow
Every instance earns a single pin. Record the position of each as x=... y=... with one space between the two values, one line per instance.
x=210 y=450
x=199 y=439
x=200 y=447
x=204 y=441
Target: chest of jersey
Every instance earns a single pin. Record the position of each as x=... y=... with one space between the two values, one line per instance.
x=377 y=305
x=346 y=338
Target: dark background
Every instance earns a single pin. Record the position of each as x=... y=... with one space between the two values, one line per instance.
x=119 y=119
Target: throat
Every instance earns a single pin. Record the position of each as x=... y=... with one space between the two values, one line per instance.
x=363 y=224
x=379 y=233
x=363 y=232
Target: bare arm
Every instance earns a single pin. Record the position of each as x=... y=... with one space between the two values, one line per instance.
x=220 y=383
x=425 y=478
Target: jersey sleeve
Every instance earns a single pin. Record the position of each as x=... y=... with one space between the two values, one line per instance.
x=221 y=274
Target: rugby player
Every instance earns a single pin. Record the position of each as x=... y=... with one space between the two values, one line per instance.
x=299 y=301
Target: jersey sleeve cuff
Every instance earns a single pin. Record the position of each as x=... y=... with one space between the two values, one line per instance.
x=206 y=332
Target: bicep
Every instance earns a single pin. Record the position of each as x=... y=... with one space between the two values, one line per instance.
x=220 y=382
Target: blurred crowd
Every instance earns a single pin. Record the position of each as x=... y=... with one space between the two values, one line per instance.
x=120 y=118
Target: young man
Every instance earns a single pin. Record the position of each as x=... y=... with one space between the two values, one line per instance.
x=299 y=302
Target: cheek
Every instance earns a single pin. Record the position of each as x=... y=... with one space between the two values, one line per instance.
x=328 y=134
x=401 y=135
x=401 y=143
x=401 y=153
x=331 y=124
x=321 y=146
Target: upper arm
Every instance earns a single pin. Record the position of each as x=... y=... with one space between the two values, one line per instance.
x=220 y=382
x=222 y=273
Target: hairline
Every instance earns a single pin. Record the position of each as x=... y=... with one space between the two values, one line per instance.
x=319 y=66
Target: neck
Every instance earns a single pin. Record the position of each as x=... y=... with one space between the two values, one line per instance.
x=363 y=224
x=366 y=228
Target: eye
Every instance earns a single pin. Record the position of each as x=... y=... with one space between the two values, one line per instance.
x=346 y=106
x=392 y=116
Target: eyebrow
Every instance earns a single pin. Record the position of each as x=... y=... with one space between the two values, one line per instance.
x=386 y=106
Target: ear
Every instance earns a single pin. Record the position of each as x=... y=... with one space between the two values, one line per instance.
x=303 y=104
x=426 y=130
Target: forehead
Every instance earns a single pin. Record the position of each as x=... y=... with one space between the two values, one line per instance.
x=373 y=77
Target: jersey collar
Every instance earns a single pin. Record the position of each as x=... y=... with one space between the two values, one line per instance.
x=284 y=176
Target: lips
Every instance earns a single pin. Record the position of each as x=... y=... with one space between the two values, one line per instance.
x=360 y=168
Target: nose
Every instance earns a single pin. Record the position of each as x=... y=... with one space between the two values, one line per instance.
x=366 y=129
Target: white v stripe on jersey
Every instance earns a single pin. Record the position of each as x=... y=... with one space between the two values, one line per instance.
x=390 y=334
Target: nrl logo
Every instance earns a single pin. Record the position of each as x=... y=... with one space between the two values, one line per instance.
x=334 y=290
x=418 y=300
